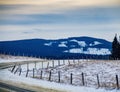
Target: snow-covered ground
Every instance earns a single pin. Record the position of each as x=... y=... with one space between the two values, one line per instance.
x=106 y=70
x=46 y=84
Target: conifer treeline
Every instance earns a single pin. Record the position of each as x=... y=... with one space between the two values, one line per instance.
x=116 y=48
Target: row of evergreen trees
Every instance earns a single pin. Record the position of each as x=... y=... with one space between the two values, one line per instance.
x=116 y=48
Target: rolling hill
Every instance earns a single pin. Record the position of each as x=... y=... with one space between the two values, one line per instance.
x=74 y=47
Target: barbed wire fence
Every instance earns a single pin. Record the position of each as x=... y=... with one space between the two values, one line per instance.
x=51 y=70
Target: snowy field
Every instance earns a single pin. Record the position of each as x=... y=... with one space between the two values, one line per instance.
x=106 y=71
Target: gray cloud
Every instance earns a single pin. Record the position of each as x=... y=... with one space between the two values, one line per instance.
x=56 y=31
x=78 y=16
x=27 y=21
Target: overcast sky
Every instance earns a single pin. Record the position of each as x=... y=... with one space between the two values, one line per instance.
x=56 y=19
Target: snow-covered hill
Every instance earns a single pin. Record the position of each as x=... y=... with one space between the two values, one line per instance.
x=57 y=48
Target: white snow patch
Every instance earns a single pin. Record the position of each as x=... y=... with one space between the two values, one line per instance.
x=48 y=44
x=101 y=51
x=94 y=51
x=65 y=42
x=95 y=43
x=81 y=43
x=76 y=50
x=62 y=44
x=66 y=51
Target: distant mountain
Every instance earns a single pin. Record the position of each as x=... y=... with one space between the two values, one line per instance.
x=74 y=47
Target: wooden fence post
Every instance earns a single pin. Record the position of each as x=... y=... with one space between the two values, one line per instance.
x=49 y=76
x=53 y=63
x=48 y=65
x=41 y=74
x=42 y=64
x=68 y=62
x=33 y=72
x=73 y=60
x=35 y=64
x=27 y=66
x=83 y=82
x=98 y=82
x=78 y=60
x=20 y=71
x=117 y=82
x=13 y=68
x=19 y=66
x=58 y=62
x=27 y=73
x=63 y=62
x=71 y=78
x=16 y=71
x=59 y=76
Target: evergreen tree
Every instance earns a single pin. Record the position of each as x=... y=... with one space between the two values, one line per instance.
x=119 y=48
x=115 y=48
